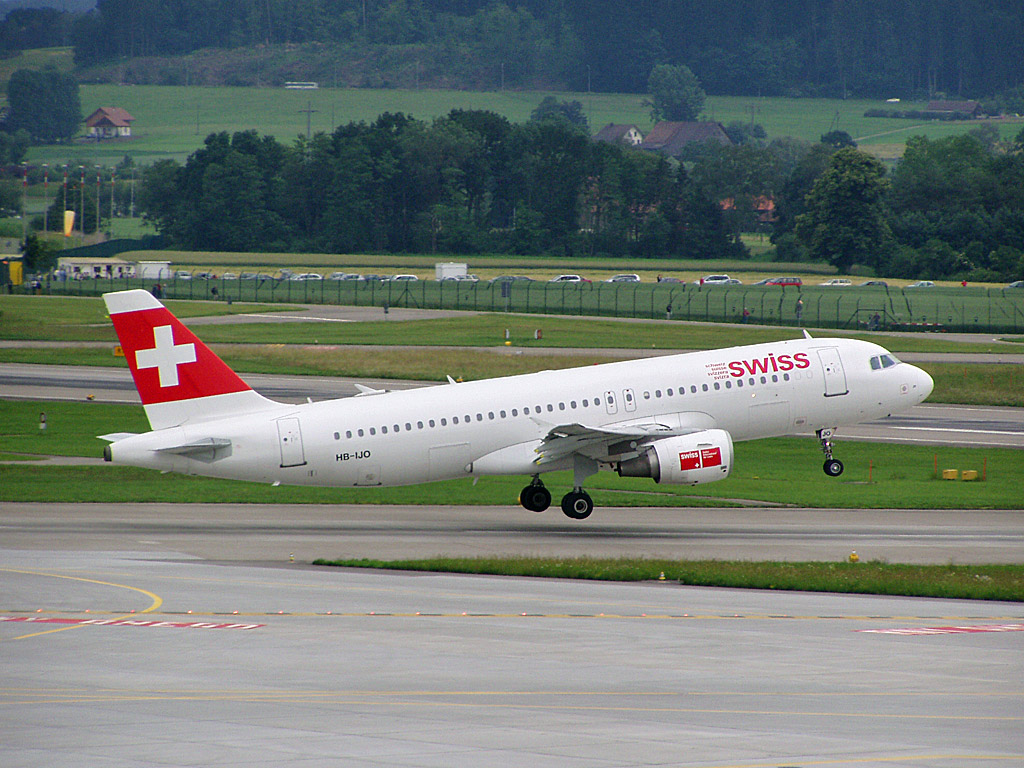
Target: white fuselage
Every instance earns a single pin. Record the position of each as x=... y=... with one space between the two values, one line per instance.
x=495 y=426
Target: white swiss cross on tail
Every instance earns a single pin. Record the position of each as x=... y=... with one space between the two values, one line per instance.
x=166 y=356
x=179 y=378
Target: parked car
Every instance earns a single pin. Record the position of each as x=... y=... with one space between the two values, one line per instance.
x=229 y=276
x=877 y=283
x=1016 y=284
x=780 y=281
x=182 y=274
x=374 y=278
x=624 y=279
x=568 y=279
x=343 y=276
x=402 y=278
x=837 y=281
x=669 y=280
x=248 y=276
x=307 y=276
x=204 y=276
x=733 y=281
x=922 y=284
x=713 y=280
x=511 y=279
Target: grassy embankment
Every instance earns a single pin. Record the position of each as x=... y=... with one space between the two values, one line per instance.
x=973 y=582
x=783 y=471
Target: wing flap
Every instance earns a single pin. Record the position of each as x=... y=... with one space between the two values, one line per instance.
x=599 y=443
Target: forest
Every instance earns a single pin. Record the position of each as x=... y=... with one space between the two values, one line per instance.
x=836 y=48
x=473 y=182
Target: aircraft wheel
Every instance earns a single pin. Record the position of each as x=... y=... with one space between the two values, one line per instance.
x=535 y=498
x=833 y=467
x=577 y=505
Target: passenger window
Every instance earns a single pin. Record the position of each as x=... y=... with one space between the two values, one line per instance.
x=383 y=430
x=550 y=407
x=408 y=426
x=728 y=385
x=503 y=414
x=751 y=381
x=337 y=436
x=572 y=404
x=360 y=433
x=468 y=418
x=586 y=403
x=657 y=393
x=693 y=389
x=444 y=422
x=455 y=419
x=431 y=423
x=704 y=387
x=398 y=428
x=739 y=382
x=785 y=376
x=419 y=425
x=561 y=406
x=764 y=380
x=647 y=395
x=515 y=412
x=775 y=378
x=669 y=392
x=348 y=433
x=479 y=417
x=373 y=430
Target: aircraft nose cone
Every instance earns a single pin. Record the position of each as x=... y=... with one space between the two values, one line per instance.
x=924 y=384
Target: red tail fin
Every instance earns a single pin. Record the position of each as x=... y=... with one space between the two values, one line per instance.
x=170 y=365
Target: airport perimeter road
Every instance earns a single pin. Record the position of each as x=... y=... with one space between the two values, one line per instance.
x=120 y=659
x=276 y=532
x=924 y=424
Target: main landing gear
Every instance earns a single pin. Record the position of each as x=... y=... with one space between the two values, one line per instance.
x=832 y=467
x=576 y=504
x=535 y=497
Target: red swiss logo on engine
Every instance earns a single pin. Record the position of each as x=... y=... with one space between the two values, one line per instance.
x=700 y=458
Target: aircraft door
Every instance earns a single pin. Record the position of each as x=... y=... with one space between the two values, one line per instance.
x=610 y=403
x=835 y=376
x=290 y=439
x=628 y=400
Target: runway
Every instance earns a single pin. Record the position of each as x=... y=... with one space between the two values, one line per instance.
x=185 y=661
x=930 y=424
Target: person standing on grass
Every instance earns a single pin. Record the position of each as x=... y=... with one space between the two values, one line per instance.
x=799 y=310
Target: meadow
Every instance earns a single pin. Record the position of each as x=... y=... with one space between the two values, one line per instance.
x=172 y=121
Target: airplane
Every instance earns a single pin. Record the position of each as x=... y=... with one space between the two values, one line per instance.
x=673 y=419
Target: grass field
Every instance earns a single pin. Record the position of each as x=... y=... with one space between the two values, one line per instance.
x=66 y=318
x=970 y=582
x=172 y=121
x=783 y=471
x=945 y=308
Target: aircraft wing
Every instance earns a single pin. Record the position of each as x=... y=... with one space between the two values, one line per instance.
x=599 y=443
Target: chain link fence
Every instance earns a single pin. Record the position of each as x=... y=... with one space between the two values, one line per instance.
x=966 y=309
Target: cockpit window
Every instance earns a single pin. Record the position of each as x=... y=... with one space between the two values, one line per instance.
x=883 y=361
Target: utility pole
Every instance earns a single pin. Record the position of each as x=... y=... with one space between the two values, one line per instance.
x=46 y=197
x=81 y=201
x=309 y=116
x=99 y=194
x=24 y=195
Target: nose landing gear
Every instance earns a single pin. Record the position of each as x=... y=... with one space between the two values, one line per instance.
x=832 y=467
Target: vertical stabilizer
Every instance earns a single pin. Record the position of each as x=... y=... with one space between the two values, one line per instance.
x=178 y=377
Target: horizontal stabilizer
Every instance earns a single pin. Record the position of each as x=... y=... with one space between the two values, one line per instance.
x=113 y=437
x=205 y=449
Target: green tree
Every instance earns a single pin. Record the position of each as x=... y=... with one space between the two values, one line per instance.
x=675 y=94
x=551 y=108
x=845 y=219
x=45 y=104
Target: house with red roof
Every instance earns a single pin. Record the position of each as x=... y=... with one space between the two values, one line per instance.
x=109 y=123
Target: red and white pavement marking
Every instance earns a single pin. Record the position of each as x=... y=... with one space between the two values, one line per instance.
x=133 y=623
x=947 y=630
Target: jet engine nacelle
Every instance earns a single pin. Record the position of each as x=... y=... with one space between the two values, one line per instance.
x=701 y=457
